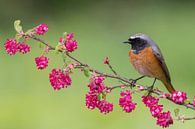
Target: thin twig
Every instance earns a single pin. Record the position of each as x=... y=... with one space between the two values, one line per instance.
x=189 y=118
x=111 y=68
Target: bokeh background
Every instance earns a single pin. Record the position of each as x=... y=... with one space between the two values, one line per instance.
x=27 y=101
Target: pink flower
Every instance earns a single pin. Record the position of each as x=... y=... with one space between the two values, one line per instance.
x=91 y=100
x=105 y=106
x=23 y=48
x=71 y=45
x=70 y=36
x=164 y=119
x=126 y=101
x=41 y=62
x=194 y=101
x=141 y=88
x=11 y=46
x=96 y=84
x=149 y=101
x=178 y=97
x=61 y=40
x=71 y=66
x=41 y=29
x=96 y=97
x=156 y=110
x=98 y=79
x=59 y=80
x=106 y=60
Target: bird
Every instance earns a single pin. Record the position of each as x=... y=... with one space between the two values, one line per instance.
x=146 y=57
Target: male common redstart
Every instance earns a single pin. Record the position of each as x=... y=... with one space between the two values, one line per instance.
x=148 y=60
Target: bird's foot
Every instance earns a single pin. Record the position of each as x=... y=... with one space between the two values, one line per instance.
x=150 y=90
x=133 y=82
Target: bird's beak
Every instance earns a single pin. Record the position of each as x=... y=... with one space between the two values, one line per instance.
x=127 y=42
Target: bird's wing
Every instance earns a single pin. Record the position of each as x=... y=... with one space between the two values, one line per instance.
x=159 y=56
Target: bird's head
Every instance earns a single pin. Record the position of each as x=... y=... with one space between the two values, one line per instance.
x=138 y=41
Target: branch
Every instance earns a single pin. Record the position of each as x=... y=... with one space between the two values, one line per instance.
x=126 y=81
x=110 y=66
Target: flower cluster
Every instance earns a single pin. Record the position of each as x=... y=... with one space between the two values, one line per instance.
x=126 y=101
x=178 y=97
x=59 y=79
x=164 y=119
x=12 y=47
x=91 y=100
x=105 y=106
x=41 y=62
x=41 y=29
x=69 y=44
x=23 y=48
x=95 y=98
x=156 y=110
x=149 y=100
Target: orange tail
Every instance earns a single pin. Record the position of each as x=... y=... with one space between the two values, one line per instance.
x=169 y=86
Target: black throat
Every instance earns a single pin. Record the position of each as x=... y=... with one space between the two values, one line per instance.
x=137 y=48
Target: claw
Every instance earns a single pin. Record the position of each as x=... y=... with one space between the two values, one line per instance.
x=133 y=82
x=150 y=90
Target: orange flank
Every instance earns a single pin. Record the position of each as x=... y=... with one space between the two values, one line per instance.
x=147 y=64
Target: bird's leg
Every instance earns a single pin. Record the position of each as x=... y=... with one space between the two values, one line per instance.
x=151 y=87
x=135 y=80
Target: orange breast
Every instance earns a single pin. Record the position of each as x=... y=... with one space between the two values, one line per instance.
x=147 y=64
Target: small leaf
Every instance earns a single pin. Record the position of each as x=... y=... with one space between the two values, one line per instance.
x=86 y=72
x=176 y=111
x=103 y=95
x=17 y=26
x=70 y=72
x=65 y=34
x=99 y=97
x=40 y=45
x=17 y=37
x=187 y=101
x=57 y=48
x=29 y=31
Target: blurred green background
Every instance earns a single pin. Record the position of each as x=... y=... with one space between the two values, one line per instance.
x=27 y=100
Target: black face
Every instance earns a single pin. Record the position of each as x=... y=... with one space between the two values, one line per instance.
x=138 y=43
x=135 y=40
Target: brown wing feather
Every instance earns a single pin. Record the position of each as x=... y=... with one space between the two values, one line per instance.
x=160 y=58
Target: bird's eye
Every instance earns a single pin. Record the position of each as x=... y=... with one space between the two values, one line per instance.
x=135 y=39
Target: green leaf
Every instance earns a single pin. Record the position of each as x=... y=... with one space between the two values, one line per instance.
x=17 y=37
x=186 y=101
x=57 y=48
x=99 y=97
x=86 y=72
x=40 y=45
x=17 y=26
x=176 y=111
x=65 y=34
x=29 y=31
x=103 y=95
